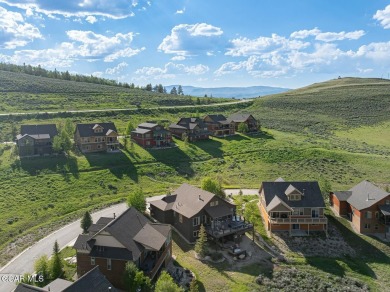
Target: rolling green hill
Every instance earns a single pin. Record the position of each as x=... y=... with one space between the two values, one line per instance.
x=321 y=108
x=21 y=92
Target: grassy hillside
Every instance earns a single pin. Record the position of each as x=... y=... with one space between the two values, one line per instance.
x=323 y=107
x=27 y=93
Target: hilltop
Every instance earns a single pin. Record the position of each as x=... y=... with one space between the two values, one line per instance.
x=236 y=92
x=320 y=108
x=21 y=92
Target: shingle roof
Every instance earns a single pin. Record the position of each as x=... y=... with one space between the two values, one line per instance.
x=312 y=195
x=219 y=211
x=217 y=118
x=239 y=118
x=365 y=194
x=164 y=204
x=50 y=129
x=86 y=130
x=141 y=131
x=36 y=137
x=385 y=209
x=93 y=281
x=343 y=195
x=276 y=201
x=118 y=253
x=28 y=288
x=189 y=200
x=150 y=237
x=58 y=285
x=147 y=125
x=104 y=220
x=84 y=242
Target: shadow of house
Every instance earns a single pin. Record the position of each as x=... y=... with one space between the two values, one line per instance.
x=66 y=166
x=118 y=163
x=212 y=147
x=174 y=158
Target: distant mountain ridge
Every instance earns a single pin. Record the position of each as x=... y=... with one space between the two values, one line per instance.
x=237 y=92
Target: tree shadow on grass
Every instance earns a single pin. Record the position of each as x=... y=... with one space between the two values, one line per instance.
x=65 y=165
x=117 y=163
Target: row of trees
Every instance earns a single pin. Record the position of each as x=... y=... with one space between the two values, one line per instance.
x=159 y=88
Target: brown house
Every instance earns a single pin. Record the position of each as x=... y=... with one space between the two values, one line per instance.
x=366 y=205
x=111 y=243
x=96 y=137
x=219 y=126
x=237 y=119
x=151 y=135
x=36 y=139
x=297 y=207
x=188 y=207
x=194 y=128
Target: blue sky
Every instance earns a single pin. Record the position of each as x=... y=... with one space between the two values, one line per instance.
x=205 y=43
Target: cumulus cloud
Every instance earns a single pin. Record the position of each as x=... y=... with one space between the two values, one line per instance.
x=327 y=36
x=117 y=69
x=171 y=70
x=245 y=47
x=181 y=11
x=14 y=31
x=191 y=39
x=91 y=19
x=117 y=9
x=383 y=16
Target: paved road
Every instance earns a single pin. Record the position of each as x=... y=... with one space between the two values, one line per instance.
x=131 y=109
x=24 y=262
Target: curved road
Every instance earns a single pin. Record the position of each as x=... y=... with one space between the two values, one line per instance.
x=24 y=262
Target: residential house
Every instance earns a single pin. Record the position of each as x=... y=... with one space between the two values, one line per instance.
x=237 y=119
x=36 y=139
x=219 y=126
x=366 y=205
x=194 y=128
x=112 y=242
x=188 y=207
x=93 y=281
x=151 y=135
x=96 y=137
x=296 y=206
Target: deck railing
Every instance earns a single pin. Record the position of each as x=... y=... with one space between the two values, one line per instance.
x=317 y=220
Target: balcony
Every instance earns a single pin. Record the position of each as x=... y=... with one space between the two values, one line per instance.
x=317 y=220
x=228 y=227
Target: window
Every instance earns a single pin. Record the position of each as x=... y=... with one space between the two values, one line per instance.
x=99 y=146
x=387 y=202
x=216 y=203
x=109 y=264
x=376 y=226
x=180 y=218
x=315 y=213
x=298 y=211
x=367 y=226
x=377 y=215
x=196 y=221
x=92 y=261
x=212 y=204
x=195 y=233
x=368 y=214
x=204 y=219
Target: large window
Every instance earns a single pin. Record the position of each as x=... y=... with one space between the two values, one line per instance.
x=196 y=221
x=298 y=211
x=315 y=213
x=368 y=215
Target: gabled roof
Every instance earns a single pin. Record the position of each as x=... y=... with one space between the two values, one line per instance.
x=217 y=118
x=87 y=130
x=28 y=288
x=385 y=209
x=58 y=285
x=49 y=129
x=365 y=194
x=191 y=123
x=239 y=118
x=93 y=281
x=127 y=229
x=311 y=190
x=147 y=125
x=343 y=195
x=276 y=201
x=291 y=189
x=188 y=200
x=279 y=179
x=141 y=131
x=35 y=137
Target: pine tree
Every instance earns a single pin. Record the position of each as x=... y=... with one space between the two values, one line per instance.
x=180 y=90
x=56 y=265
x=129 y=128
x=86 y=222
x=200 y=245
x=173 y=90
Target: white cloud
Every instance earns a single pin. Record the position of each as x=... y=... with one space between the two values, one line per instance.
x=378 y=52
x=97 y=74
x=125 y=53
x=178 y=58
x=117 y=9
x=383 y=16
x=14 y=31
x=171 y=70
x=181 y=11
x=91 y=19
x=246 y=47
x=327 y=36
x=117 y=69
x=191 y=39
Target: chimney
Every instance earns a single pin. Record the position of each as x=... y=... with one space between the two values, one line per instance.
x=200 y=198
x=114 y=216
